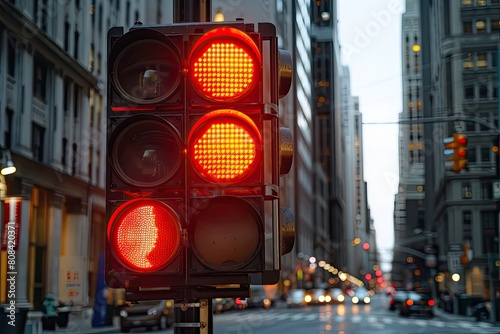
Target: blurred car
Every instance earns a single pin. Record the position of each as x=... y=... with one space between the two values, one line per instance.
x=417 y=303
x=220 y=305
x=481 y=311
x=317 y=296
x=336 y=295
x=296 y=297
x=397 y=298
x=361 y=296
x=259 y=298
x=148 y=314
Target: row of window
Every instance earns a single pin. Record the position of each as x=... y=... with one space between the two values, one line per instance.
x=481 y=26
x=469 y=3
x=489 y=230
x=484 y=88
x=480 y=60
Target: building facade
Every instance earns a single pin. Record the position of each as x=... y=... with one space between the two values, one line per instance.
x=52 y=118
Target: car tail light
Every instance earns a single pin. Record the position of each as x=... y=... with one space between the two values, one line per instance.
x=145 y=234
x=430 y=302
x=409 y=302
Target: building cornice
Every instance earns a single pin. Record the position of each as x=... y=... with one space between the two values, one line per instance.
x=27 y=33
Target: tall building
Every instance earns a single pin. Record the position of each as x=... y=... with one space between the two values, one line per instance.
x=464 y=79
x=52 y=118
x=411 y=234
x=461 y=80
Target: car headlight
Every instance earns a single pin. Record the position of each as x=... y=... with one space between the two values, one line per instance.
x=355 y=300
x=367 y=300
x=123 y=314
x=152 y=311
x=340 y=298
x=307 y=299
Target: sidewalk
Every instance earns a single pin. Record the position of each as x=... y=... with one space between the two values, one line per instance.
x=81 y=323
x=459 y=317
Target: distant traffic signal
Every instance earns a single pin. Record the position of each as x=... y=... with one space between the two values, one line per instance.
x=455 y=152
x=195 y=155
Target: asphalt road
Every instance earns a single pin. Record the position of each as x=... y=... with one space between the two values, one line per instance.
x=374 y=318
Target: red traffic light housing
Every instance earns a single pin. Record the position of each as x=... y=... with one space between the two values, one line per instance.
x=195 y=155
x=456 y=152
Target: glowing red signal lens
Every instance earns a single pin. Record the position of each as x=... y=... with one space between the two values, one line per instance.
x=462 y=140
x=462 y=152
x=144 y=234
x=224 y=146
x=224 y=64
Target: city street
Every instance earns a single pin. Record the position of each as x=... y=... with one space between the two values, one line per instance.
x=348 y=318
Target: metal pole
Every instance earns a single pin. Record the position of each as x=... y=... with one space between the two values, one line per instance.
x=192 y=11
x=193 y=317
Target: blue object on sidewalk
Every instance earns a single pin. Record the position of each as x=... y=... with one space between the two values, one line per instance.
x=100 y=301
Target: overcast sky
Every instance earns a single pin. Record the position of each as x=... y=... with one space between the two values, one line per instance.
x=370 y=38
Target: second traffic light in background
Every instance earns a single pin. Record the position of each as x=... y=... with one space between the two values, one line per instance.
x=455 y=152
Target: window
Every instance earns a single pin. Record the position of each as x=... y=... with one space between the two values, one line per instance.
x=480 y=26
x=91 y=58
x=468 y=63
x=482 y=60
x=471 y=155
x=77 y=41
x=73 y=162
x=11 y=58
x=489 y=226
x=483 y=91
x=39 y=78
x=486 y=190
x=64 y=159
x=466 y=190
x=37 y=141
x=481 y=2
x=467 y=226
x=467 y=26
x=66 y=96
x=76 y=101
x=466 y=3
x=495 y=25
x=469 y=92
x=66 y=36
x=485 y=154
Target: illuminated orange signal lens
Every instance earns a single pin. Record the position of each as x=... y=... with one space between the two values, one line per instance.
x=224 y=64
x=225 y=146
x=145 y=234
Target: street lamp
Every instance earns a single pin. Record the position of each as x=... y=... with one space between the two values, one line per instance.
x=6 y=163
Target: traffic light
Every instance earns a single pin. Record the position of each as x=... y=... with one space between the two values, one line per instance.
x=495 y=149
x=455 y=152
x=195 y=155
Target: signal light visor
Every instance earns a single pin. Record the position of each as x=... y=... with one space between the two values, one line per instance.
x=144 y=234
x=225 y=146
x=224 y=64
